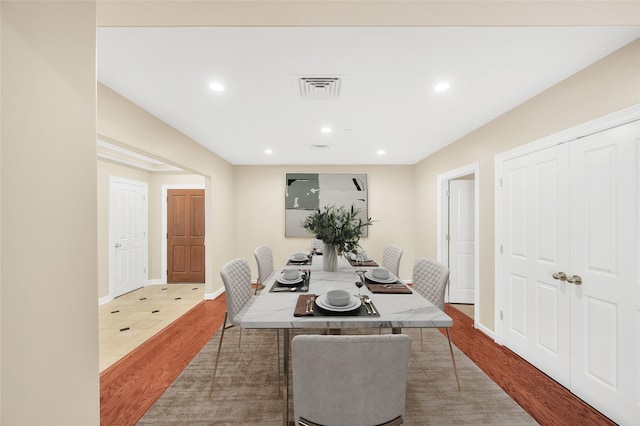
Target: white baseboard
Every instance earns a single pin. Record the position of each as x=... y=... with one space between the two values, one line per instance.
x=156 y=282
x=214 y=295
x=105 y=299
x=486 y=331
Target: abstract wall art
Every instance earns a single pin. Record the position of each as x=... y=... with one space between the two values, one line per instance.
x=308 y=192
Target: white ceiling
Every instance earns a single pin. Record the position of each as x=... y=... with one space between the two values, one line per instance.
x=386 y=100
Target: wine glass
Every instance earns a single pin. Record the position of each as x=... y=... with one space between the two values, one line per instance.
x=359 y=284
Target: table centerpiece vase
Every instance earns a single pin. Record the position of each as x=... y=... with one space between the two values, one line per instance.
x=339 y=229
x=329 y=258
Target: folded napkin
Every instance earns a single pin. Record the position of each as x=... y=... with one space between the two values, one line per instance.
x=301 y=306
x=393 y=288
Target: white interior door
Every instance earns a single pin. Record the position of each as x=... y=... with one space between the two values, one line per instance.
x=574 y=209
x=461 y=241
x=128 y=235
x=536 y=245
x=605 y=316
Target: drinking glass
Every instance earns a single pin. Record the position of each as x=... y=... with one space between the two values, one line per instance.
x=359 y=283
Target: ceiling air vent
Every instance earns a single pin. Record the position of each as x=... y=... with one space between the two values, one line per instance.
x=319 y=87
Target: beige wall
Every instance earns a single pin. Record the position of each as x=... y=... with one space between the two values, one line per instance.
x=124 y=123
x=605 y=87
x=260 y=210
x=49 y=247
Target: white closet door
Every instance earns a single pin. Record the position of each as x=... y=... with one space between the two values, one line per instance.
x=535 y=224
x=461 y=241
x=604 y=253
x=128 y=225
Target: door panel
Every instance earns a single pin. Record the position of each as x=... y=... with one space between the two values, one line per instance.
x=461 y=241
x=128 y=222
x=604 y=254
x=535 y=226
x=185 y=236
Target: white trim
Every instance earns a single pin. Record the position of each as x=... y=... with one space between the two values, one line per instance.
x=105 y=299
x=214 y=295
x=163 y=229
x=618 y=118
x=443 y=215
x=486 y=331
x=156 y=282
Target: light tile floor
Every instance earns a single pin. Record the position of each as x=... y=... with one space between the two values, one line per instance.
x=129 y=320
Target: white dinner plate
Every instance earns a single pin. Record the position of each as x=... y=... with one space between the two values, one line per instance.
x=304 y=256
x=354 y=303
x=282 y=280
x=392 y=278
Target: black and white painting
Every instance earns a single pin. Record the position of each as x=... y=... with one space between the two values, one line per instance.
x=308 y=192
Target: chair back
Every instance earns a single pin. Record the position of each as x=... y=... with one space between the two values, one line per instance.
x=350 y=380
x=430 y=279
x=264 y=259
x=391 y=259
x=236 y=276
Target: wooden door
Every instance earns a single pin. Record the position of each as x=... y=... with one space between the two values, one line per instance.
x=185 y=235
x=461 y=241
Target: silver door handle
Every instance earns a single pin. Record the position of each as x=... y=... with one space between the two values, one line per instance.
x=118 y=245
x=559 y=276
x=575 y=279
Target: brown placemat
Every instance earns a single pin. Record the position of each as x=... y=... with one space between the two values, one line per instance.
x=396 y=289
x=301 y=306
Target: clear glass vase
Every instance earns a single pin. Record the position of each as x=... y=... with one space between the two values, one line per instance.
x=329 y=258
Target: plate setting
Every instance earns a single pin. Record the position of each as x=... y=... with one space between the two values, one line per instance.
x=283 y=281
x=392 y=278
x=353 y=304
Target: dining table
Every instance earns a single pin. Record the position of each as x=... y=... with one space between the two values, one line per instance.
x=391 y=304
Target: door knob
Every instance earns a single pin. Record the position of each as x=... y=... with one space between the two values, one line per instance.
x=574 y=279
x=560 y=276
x=118 y=245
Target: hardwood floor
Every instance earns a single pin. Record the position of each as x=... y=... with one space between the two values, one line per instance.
x=544 y=399
x=129 y=387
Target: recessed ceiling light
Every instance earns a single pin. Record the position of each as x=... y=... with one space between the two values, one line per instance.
x=381 y=152
x=326 y=130
x=441 y=87
x=216 y=87
x=268 y=151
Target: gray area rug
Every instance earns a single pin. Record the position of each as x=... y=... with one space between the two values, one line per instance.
x=246 y=391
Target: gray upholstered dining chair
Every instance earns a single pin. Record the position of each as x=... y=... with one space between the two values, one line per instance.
x=350 y=380
x=391 y=256
x=236 y=276
x=430 y=280
x=264 y=260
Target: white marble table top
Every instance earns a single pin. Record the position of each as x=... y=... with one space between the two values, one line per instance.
x=275 y=310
